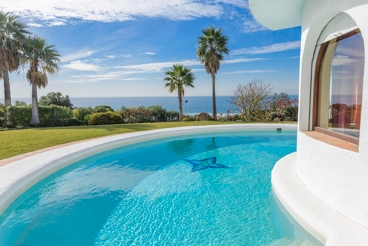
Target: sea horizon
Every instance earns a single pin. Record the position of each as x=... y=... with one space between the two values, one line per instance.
x=194 y=104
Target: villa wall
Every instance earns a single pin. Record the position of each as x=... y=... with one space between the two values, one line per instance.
x=337 y=176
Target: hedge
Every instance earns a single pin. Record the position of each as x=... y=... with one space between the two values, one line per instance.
x=55 y=115
x=19 y=115
x=49 y=115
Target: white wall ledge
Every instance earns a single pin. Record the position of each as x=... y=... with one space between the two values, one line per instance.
x=324 y=223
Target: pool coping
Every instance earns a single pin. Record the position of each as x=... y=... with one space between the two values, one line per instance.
x=26 y=170
x=326 y=224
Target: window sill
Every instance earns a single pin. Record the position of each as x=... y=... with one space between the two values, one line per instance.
x=332 y=139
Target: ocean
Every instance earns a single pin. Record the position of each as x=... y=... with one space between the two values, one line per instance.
x=194 y=105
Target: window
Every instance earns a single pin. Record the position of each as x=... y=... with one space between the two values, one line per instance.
x=339 y=82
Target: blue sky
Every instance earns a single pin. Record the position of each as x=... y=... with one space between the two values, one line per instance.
x=121 y=48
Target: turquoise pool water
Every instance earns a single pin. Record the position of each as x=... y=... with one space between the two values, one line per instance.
x=147 y=194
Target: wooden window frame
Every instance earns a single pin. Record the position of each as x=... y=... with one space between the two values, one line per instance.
x=316 y=85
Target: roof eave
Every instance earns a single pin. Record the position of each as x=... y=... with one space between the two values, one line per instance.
x=277 y=14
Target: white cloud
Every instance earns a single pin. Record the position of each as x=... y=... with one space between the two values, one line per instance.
x=250 y=25
x=241 y=60
x=252 y=71
x=35 y=24
x=198 y=70
x=268 y=49
x=75 y=56
x=56 y=12
x=110 y=56
x=150 y=53
x=158 y=66
x=237 y=3
x=120 y=72
x=80 y=81
x=132 y=79
x=126 y=55
x=56 y=23
x=111 y=75
x=95 y=60
x=79 y=65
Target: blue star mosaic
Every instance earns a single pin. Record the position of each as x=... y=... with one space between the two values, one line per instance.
x=199 y=165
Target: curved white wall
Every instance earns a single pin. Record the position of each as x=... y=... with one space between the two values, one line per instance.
x=338 y=177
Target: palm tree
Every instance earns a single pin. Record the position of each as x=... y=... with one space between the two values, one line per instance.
x=12 y=33
x=42 y=59
x=211 y=46
x=177 y=78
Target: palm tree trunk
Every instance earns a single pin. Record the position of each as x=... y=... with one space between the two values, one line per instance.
x=7 y=96
x=214 y=111
x=180 y=105
x=35 y=120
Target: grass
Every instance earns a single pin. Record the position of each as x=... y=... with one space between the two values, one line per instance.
x=19 y=141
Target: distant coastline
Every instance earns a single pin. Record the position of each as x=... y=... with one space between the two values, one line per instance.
x=195 y=104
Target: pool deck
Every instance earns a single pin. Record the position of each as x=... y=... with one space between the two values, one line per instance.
x=324 y=223
x=19 y=173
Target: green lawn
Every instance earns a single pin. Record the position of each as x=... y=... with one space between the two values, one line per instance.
x=20 y=141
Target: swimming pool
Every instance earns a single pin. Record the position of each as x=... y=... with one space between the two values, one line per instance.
x=147 y=193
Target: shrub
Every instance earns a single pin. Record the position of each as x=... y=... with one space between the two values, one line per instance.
x=55 y=98
x=102 y=109
x=86 y=118
x=54 y=115
x=204 y=116
x=229 y=117
x=172 y=115
x=19 y=115
x=147 y=114
x=20 y=103
x=51 y=122
x=250 y=98
x=190 y=117
x=105 y=118
x=136 y=115
x=292 y=113
x=74 y=122
x=158 y=113
x=82 y=113
x=185 y=119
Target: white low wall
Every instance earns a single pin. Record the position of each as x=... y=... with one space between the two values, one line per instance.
x=338 y=177
x=318 y=218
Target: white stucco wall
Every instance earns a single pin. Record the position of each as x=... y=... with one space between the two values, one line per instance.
x=338 y=177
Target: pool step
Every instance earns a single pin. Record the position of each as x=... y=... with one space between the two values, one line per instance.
x=290 y=242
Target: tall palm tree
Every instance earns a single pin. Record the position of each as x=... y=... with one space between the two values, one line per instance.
x=12 y=33
x=42 y=59
x=177 y=78
x=211 y=47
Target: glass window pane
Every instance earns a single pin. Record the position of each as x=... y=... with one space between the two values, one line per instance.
x=340 y=92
